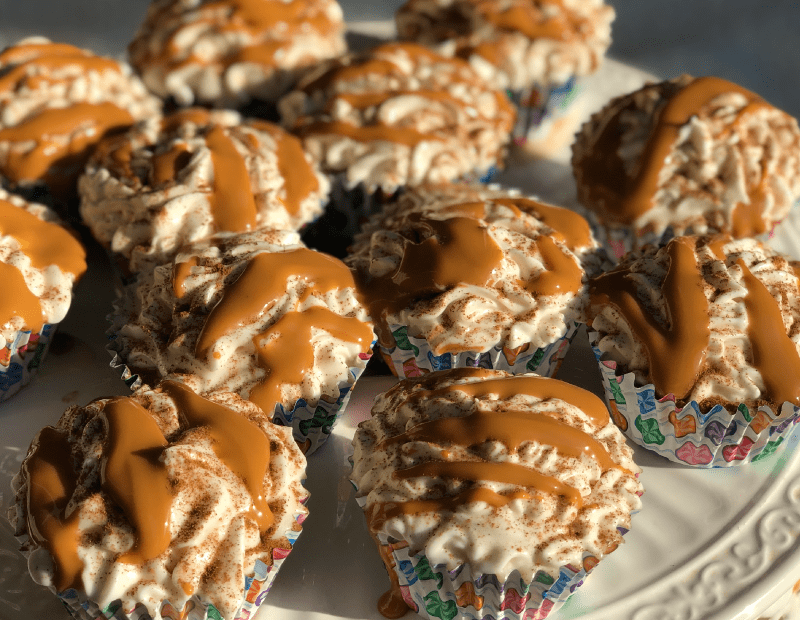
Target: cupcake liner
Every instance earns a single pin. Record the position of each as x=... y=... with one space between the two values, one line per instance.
x=412 y=357
x=539 y=108
x=21 y=358
x=255 y=591
x=687 y=435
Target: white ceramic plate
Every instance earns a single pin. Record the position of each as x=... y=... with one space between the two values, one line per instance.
x=720 y=544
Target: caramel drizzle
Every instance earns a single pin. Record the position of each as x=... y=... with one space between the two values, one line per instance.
x=51 y=485
x=675 y=354
x=563 y=274
x=167 y=165
x=239 y=443
x=18 y=300
x=181 y=272
x=233 y=205
x=45 y=243
x=197 y=116
x=52 y=58
x=134 y=477
x=285 y=350
x=528 y=18
x=262 y=282
x=569 y=227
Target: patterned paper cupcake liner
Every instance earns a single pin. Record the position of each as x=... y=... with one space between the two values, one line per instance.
x=255 y=591
x=412 y=357
x=541 y=108
x=20 y=359
x=687 y=435
x=311 y=422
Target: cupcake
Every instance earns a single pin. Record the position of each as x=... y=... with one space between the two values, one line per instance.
x=56 y=102
x=689 y=155
x=40 y=263
x=162 y=505
x=168 y=182
x=699 y=348
x=485 y=282
x=227 y=52
x=254 y=313
x=491 y=495
x=398 y=115
x=535 y=50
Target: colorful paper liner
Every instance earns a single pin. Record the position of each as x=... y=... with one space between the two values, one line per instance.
x=256 y=588
x=413 y=357
x=20 y=359
x=717 y=438
x=435 y=592
x=541 y=107
x=311 y=422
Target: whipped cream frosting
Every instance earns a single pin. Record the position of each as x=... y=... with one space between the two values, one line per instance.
x=398 y=115
x=499 y=472
x=253 y=313
x=168 y=182
x=40 y=262
x=226 y=52
x=696 y=155
x=729 y=310
x=56 y=102
x=185 y=523
x=467 y=275
x=514 y=44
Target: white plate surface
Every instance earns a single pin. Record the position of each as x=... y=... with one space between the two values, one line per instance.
x=716 y=545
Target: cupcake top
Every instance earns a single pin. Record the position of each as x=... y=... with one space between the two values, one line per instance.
x=514 y=44
x=708 y=319
x=56 y=102
x=167 y=182
x=399 y=115
x=40 y=262
x=469 y=275
x=692 y=154
x=226 y=52
x=503 y=473
x=254 y=313
x=219 y=488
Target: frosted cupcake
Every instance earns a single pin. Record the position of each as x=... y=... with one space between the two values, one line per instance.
x=163 y=502
x=536 y=50
x=168 y=182
x=689 y=155
x=491 y=495
x=40 y=263
x=253 y=313
x=698 y=348
x=56 y=102
x=228 y=52
x=485 y=283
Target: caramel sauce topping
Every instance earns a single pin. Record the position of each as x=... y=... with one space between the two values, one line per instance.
x=528 y=18
x=168 y=164
x=45 y=243
x=198 y=116
x=52 y=59
x=563 y=274
x=181 y=272
x=569 y=227
x=367 y=133
x=232 y=203
x=18 y=300
x=262 y=282
x=677 y=353
x=239 y=443
x=51 y=484
x=134 y=477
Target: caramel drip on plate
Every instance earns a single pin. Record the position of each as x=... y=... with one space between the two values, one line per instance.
x=774 y=353
x=262 y=282
x=167 y=165
x=563 y=274
x=232 y=203
x=677 y=353
x=51 y=484
x=181 y=272
x=134 y=477
x=286 y=352
x=50 y=159
x=239 y=443
x=390 y=604
x=456 y=251
x=570 y=228
x=297 y=173
x=18 y=300
x=45 y=243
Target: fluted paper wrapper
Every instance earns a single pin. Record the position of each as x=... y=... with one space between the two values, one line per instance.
x=20 y=359
x=720 y=437
x=255 y=591
x=542 y=109
x=413 y=357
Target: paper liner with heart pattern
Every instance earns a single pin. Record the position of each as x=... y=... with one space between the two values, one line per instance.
x=688 y=435
x=413 y=357
x=21 y=358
